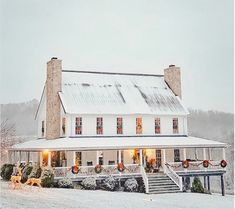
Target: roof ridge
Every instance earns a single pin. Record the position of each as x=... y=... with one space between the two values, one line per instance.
x=111 y=73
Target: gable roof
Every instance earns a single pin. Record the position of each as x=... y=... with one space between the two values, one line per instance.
x=117 y=93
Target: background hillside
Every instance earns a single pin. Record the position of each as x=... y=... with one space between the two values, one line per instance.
x=213 y=125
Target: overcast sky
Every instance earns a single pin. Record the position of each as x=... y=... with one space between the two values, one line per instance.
x=120 y=36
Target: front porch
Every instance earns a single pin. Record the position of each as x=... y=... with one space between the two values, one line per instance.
x=139 y=155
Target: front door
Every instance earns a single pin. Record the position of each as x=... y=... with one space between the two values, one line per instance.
x=158 y=158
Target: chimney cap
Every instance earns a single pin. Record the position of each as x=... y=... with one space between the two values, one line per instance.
x=54 y=58
x=171 y=65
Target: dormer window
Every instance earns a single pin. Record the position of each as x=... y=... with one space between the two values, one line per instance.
x=78 y=126
x=139 y=126
x=119 y=126
x=43 y=129
x=157 y=126
x=175 y=126
x=63 y=126
x=99 y=126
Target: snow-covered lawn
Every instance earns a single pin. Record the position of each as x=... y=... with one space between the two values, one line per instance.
x=73 y=198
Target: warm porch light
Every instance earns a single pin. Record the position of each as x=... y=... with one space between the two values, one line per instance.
x=45 y=151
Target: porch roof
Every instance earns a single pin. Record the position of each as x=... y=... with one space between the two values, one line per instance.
x=116 y=143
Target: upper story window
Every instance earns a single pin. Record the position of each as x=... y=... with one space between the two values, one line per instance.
x=99 y=125
x=43 y=129
x=175 y=126
x=139 y=126
x=119 y=126
x=63 y=125
x=78 y=126
x=157 y=126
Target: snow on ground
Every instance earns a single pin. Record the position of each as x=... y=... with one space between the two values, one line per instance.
x=83 y=199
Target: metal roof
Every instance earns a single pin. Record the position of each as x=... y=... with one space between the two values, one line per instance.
x=118 y=93
x=115 y=143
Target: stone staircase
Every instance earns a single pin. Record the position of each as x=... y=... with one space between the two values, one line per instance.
x=161 y=183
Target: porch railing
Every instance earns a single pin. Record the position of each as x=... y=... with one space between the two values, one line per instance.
x=145 y=179
x=85 y=171
x=174 y=176
x=196 y=166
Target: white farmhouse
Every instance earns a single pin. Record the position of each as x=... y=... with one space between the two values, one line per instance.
x=99 y=118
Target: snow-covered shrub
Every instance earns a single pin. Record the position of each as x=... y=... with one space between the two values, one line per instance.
x=131 y=185
x=65 y=183
x=36 y=172
x=197 y=186
x=26 y=172
x=47 y=177
x=89 y=183
x=6 y=171
x=109 y=183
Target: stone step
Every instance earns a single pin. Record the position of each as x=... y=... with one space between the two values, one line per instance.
x=163 y=187
x=163 y=184
x=159 y=178
x=161 y=192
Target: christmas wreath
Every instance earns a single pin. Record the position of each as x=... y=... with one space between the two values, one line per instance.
x=120 y=167
x=205 y=163
x=223 y=163
x=185 y=164
x=98 y=168
x=75 y=169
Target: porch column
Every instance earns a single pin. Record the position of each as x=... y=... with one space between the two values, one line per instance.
x=184 y=153
x=222 y=185
x=209 y=150
x=97 y=157
x=74 y=158
x=40 y=158
x=224 y=155
x=196 y=154
x=28 y=156
x=119 y=156
x=20 y=157
x=49 y=158
x=204 y=153
x=164 y=159
x=141 y=157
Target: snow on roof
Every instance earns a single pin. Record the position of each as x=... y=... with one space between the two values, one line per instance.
x=115 y=143
x=113 y=93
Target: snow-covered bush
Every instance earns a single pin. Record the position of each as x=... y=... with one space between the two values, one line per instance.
x=26 y=172
x=109 y=183
x=47 y=177
x=65 y=183
x=197 y=186
x=6 y=171
x=89 y=183
x=36 y=172
x=131 y=185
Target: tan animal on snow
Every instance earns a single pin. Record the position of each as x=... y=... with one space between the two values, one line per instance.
x=32 y=181
x=15 y=180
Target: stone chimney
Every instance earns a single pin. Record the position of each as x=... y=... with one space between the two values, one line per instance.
x=173 y=79
x=53 y=86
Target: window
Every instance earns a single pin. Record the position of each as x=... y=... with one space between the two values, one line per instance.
x=175 y=126
x=78 y=126
x=119 y=126
x=63 y=126
x=138 y=125
x=43 y=128
x=157 y=126
x=176 y=155
x=78 y=158
x=158 y=158
x=99 y=126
